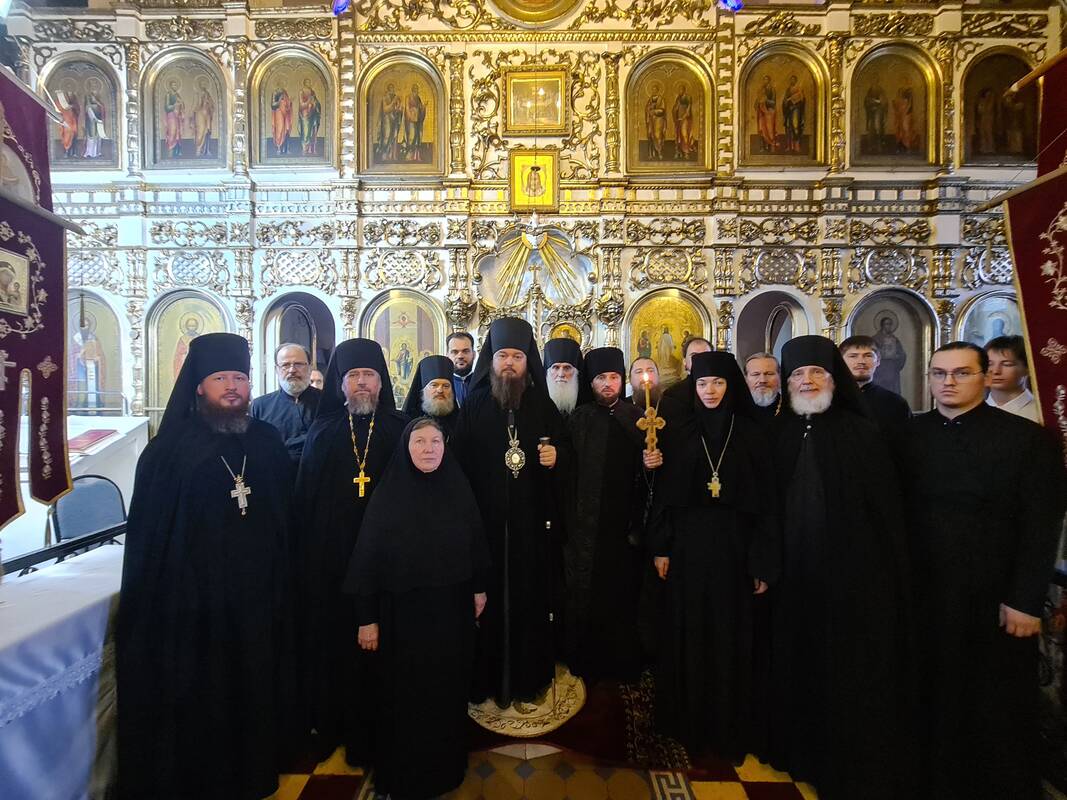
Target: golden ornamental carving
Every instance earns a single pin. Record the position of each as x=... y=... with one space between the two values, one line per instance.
x=94 y=267
x=640 y=14
x=965 y=48
x=580 y=153
x=178 y=3
x=830 y=272
x=184 y=29
x=996 y=25
x=726 y=228
x=984 y=230
x=895 y=24
x=612 y=228
x=984 y=266
x=889 y=231
x=779 y=230
x=613 y=135
x=946 y=315
x=187 y=233
x=836 y=228
x=72 y=31
x=456 y=229
x=421 y=270
x=723 y=272
x=835 y=55
x=854 y=48
x=299 y=268
x=401 y=233
x=725 y=318
x=295 y=234
x=459 y=307
x=833 y=312
x=781 y=23
x=781 y=266
x=397 y=15
x=295 y=29
x=669 y=266
x=96 y=234
x=666 y=231
x=888 y=266
x=202 y=269
x=457 y=115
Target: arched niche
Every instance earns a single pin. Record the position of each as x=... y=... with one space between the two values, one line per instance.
x=402 y=116
x=999 y=128
x=905 y=330
x=670 y=119
x=782 y=119
x=94 y=356
x=293 y=121
x=989 y=315
x=300 y=318
x=185 y=112
x=658 y=323
x=767 y=321
x=409 y=325
x=84 y=90
x=895 y=116
x=173 y=322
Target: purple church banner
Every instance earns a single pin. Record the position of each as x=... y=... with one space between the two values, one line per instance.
x=24 y=164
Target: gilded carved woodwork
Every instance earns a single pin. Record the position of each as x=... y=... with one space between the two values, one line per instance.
x=897 y=23
x=184 y=29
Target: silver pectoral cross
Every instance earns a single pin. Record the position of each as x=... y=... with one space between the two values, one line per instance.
x=240 y=493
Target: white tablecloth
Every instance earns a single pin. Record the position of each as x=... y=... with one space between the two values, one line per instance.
x=53 y=627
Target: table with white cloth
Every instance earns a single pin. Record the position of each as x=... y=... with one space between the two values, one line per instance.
x=57 y=700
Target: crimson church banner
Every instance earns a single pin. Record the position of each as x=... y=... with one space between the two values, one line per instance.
x=32 y=312
x=1052 y=135
x=1036 y=221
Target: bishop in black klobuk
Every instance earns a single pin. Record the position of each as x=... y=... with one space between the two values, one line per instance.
x=204 y=634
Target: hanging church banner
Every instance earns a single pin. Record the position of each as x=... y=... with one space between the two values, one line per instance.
x=32 y=320
x=1036 y=220
x=1052 y=137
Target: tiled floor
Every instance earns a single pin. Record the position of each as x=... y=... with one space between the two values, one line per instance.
x=537 y=772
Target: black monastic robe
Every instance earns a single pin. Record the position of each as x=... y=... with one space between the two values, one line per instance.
x=887 y=408
x=717 y=547
x=204 y=637
x=603 y=554
x=339 y=675
x=985 y=493
x=516 y=632
x=841 y=699
x=292 y=416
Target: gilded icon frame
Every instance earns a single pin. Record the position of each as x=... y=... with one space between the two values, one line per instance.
x=634 y=118
x=1029 y=96
x=51 y=72
x=520 y=194
x=514 y=78
x=700 y=318
x=259 y=124
x=549 y=12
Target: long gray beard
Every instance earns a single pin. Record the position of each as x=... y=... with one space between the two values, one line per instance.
x=564 y=395
x=815 y=405
x=764 y=398
x=438 y=408
x=223 y=420
x=362 y=408
x=507 y=391
x=295 y=388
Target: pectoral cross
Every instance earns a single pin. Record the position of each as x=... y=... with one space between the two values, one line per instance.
x=361 y=480
x=714 y=486
x=4 y=364
x=240 y=493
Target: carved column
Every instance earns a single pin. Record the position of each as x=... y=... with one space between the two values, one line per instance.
x=725 y=67
x=457 y=115
x=460 y=302
x=833 y=313
x=726 y=324
x=723 y=274
x=946 y=315
x=945 y=53
x=137 y=290
x=612 y=136
x=610 y=305
x=835 y=51
x=351 y=298
x=239 y=52
x=944 y=271
x=133 y=108
x=346 y=89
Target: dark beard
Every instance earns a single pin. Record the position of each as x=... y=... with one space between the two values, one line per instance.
x=654 y=394
x=223 y=420
x=507 y=391
x=463 y=373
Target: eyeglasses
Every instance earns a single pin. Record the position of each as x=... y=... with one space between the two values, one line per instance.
x=288 y=365
x=939 y=375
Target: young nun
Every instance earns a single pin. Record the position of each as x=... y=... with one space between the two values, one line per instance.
x=419 y=569
x=715 y=546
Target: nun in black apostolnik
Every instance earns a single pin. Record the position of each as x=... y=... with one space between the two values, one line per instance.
x=419 y=571
x=431 y=393
x=714 y=540
x=347 y=450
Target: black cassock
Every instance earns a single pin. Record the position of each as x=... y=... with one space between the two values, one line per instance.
x=416 y=568
x=204 y=637
x=602 y=555
x=339 y=676
x=840 y=714
x=985 y=493
x=292 y=417
x=887 y=408
x=717 y=546
x=515 y=641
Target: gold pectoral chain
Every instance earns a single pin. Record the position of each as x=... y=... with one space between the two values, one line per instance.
x=715 y=485
x=362 y=479
x=240 y=491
